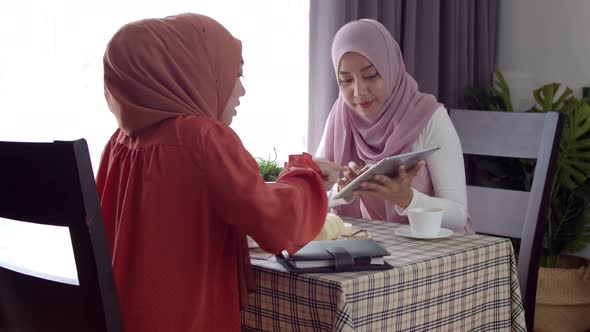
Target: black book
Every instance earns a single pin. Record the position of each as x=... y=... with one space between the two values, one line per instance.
x=336 y=256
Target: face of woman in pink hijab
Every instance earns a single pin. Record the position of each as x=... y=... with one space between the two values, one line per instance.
x=234 y=101
x=361 y=86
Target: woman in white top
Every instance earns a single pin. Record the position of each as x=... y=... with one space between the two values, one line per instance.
x=379 y=113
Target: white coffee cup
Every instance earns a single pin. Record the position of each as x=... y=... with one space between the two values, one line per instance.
x=425 y=221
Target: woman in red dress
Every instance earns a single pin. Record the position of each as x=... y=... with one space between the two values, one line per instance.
x=179 y=192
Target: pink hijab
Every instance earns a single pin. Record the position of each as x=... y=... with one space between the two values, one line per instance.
x=157 y=69
x=405 y=113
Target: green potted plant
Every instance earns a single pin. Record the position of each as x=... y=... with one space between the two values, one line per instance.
x=564 y=281
x=269 y=168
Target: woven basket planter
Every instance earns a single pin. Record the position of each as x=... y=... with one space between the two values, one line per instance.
x=563 y=300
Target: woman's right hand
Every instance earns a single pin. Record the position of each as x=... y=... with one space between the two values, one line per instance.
x=352 y=171
x=330 y=172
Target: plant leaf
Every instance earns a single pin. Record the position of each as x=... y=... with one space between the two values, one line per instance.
x=562 y=99
x=504 y=90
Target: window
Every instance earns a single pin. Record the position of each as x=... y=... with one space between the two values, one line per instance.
x=51 y=85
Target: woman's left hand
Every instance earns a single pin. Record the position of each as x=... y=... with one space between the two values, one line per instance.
x=397 y=189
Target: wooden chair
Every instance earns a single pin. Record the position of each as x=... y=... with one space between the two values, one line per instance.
x=53 y=184
x=510 y=213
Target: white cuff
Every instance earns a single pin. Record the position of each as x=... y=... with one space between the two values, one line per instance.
x=332 y=203
x=413 y=203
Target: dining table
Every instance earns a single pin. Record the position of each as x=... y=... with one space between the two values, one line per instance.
x=461 y=282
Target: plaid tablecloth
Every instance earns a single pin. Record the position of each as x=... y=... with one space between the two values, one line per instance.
x=458 y=283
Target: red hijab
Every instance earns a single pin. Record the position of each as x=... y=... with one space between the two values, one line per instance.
x=157 y=69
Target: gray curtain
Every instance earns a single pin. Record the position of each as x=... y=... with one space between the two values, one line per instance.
x=448 y=45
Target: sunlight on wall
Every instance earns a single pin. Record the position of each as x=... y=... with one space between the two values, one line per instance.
x=51 y=85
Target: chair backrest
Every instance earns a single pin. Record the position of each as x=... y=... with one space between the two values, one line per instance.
x=511 y=213
x=53 y=184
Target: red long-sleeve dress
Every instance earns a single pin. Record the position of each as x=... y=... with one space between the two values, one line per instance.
x=175 y=200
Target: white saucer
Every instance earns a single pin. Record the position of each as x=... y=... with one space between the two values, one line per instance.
x=406 y=232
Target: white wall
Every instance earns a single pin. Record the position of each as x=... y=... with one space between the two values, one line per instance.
x=543 y=41
x=546 y=38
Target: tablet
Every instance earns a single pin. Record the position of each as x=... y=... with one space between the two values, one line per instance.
x=387 y=166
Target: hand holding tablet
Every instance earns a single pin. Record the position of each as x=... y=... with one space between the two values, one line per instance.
x=388 y=166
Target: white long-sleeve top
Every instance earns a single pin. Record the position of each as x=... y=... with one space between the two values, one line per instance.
x=446 y=168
